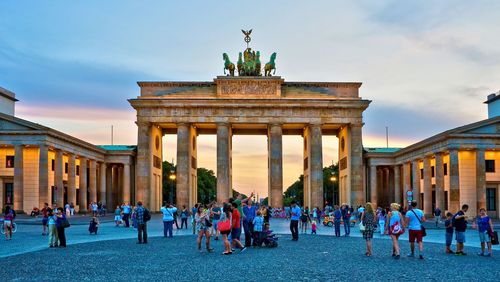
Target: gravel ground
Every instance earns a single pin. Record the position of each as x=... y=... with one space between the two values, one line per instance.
x=313 y=258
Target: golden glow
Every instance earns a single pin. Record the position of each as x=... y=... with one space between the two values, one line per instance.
x=333 y=179
x=172 y=176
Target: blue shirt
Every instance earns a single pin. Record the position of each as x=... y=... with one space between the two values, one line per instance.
x=168 y=213
x=296 y=212
x=258 y=222
x=337 y=214
x=414 y=223
x=249 y=213
x=139 y=215
x=126 y=209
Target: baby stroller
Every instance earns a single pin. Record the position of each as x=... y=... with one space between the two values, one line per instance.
x=269 y=239
x=93 y=226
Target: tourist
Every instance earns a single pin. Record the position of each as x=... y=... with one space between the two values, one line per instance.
x=449 y=232
x=315 y=213
x=258 y=224
x=381 y=221
x=304 y=219
x=337 y=217
x=94 y=208
x=314 y=226
x=266 y=213
x=45 y=218
x=346 y=217
x=368 y=220
x=360 y=211
x=249 y=212
x=236 y=228
x=437 y=215
x=175 y=220
x=294 y=221
x=141 y=217
x=414 y=219
x=225 y=228
x=168 y=211
x=60 y=217
x=94 y=225
x=67 y=210
x=394 y=226
x=194 y=210
x=485 y=228
x=118 y=216
x=53 y=238
x=201 y=217
x=215 y=214
x=459 y=221
x=126 y=214
x=287 y=213
x=72 y=208
x=8 y=221
x=184 y=216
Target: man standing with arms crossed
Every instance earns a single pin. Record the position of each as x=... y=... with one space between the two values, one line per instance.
x=294 y=221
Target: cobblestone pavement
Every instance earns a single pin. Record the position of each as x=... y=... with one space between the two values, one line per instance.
x=312 y=258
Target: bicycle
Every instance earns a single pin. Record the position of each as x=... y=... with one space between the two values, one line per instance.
x=14 y=227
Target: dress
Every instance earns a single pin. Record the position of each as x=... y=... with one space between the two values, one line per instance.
x=369 y=226
x=200 y=222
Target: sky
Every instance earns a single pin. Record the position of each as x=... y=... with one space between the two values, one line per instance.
x=426 y=66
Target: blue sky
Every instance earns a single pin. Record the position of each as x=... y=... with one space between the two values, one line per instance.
x=427 y=65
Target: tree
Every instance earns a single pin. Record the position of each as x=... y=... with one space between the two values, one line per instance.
x=168 y=184
x=207 y=185
x=236 y=193
x=295 y=192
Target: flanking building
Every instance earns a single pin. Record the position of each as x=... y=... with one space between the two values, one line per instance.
x=456 y=167
x=41 y=165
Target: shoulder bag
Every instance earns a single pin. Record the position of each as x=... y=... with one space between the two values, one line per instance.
x=362 y=227
x=65 y=223
x=422 y=228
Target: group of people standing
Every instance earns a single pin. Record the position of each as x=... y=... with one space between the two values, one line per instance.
x=54 y=223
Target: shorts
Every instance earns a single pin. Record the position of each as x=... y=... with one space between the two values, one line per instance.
x=45 y=221
x=215 y=223
x=484 y=237
x=449 y=238
x=460 y=237
x=118 y=218
x=7 y=223
x=236 y=233
x=415 y=235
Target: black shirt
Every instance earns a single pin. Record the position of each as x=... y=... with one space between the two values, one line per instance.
x=460 y=223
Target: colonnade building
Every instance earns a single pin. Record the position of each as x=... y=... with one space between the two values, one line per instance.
x=456 y=167
x=41 y=165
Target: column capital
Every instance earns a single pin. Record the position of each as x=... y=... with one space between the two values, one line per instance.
x=223 y=123
x=355 y=124
x=275 y=124
x=315 y=124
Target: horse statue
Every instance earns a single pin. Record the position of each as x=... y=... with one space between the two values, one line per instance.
x=228 y=65
x=270 y=65
x=257 y=64
x=240 y=65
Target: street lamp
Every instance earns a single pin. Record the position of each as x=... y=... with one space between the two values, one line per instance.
x=172 y=179
x=333 y=179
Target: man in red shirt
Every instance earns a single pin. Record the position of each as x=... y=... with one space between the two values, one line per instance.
x=45 y=218
x=236 y=228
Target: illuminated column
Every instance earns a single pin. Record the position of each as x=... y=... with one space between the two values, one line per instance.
x=110 y=201
x=144 y=170
x=224 y=147
x=373 y=184
x=126 y=183
x=416 y=180
x=83 y=185
x=316 y=166
x=186 y=165
x=71 y=178
x=454 y=182
x=275 y=166
x=58 y=178
x=43 y=175
x=356 y=163
x=427 y=204
x=397 y=184
x=92 y=180
x=439 y=181
x=102 y=183
x=18 y=177
x=480 y=179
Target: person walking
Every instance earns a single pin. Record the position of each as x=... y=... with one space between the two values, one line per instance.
x=295 y=213
x=249 y=212
x=437 y=215
x=45 y=218
x=8 y=222
x=236 y=228
x=53 y=239
x=382 y=216
x=459 y=221
x=225 y=221
x=337 y=217
x=194 y=210
x=394 y=227
x=200 y=219
x=346 y=217
x=414 y=219
x=184 y=217
x=368 y=220
x=142 y=216
x=485 y=228
x=61 y=235
x=168 y=211
x=127 y=210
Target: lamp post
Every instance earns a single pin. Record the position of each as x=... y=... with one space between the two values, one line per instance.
x=172 y=180
x=333 y=179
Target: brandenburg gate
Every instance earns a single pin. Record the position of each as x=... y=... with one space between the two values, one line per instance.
x=250 y=104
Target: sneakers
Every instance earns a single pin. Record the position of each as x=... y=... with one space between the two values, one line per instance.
x=242 y=250
x=460 y=254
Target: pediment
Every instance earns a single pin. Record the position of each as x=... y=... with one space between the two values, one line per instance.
x=489 y=126
x=10 y=123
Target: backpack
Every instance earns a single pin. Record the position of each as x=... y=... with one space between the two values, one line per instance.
x=146 y=215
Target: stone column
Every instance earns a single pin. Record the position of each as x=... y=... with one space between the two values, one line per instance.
x=144 y=170
x=356 y=165
x=316 y=166
x=427 y=204
x=2 y=192
x=43 y=175
x=385 y=186
x=373 y=184
x=480 y=179
x=275 y=167
x=110 y=203
x=454 y=182
x=93 y=181
x=224 y=188
x=83 y=185
x=18 y=177
x=183 y=164
x=116 y=197
x=71 y=178
x=102 y=183
x=415 y=169
x=439 y=181
x=397 y=184
x=58 y=178
x=126 y=183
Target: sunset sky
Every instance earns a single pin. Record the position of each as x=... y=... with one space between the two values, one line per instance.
x=427 y=66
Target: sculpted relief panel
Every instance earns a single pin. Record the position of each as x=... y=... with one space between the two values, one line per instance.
x=249 y=88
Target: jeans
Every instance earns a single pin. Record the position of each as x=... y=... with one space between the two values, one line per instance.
x=294 y=228
x=337 y=227
x=62 y=236
x=248 y=227
x=142 y=233
x=167 y=228
x=347 y=226
x=125 y=218
x=184 y=220
x=53 y=239
x=175 y=222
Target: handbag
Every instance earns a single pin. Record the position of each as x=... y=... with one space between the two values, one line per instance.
x=65 y=223
x=362 y=227
x=224 y=225
x=208 y=223
x=494 y=238
x=422 y=228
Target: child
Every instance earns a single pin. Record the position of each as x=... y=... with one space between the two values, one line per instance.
x=449 y=232
x=258 y=222
x=94 y=225
x=313 y=227
x=118 y=217
x=485 y=228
